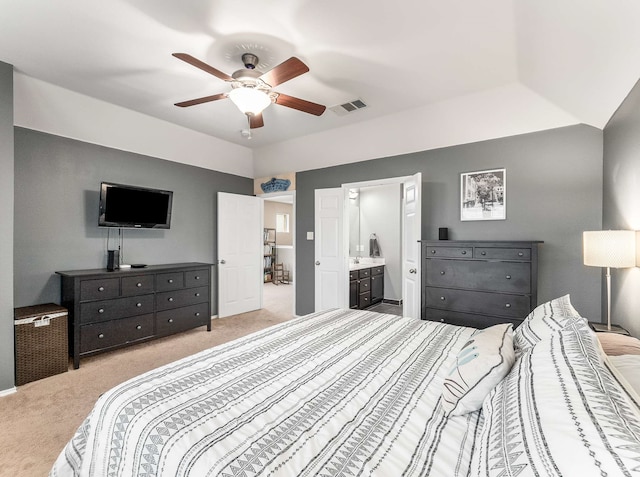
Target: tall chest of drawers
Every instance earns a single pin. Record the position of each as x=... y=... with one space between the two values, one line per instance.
x=479 y=283
x=108 y=310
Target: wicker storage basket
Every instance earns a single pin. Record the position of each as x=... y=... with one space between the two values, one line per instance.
x=42 y=348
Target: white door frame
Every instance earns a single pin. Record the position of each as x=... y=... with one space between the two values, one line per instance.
x=273 y=195
x=345 y=238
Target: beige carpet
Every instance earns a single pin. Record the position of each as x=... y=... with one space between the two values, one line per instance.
x=38 y=420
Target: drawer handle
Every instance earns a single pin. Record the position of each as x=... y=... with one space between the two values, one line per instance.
x=138 y=305
x=483 y=253
x=197 y=277
x=170 y=280
x=197 y=294
x=101 y=310
x=197 y=313
x=138 y=327
x=464 y=252
x=442 y=272
x=508 y=277
x=373 y=278
x=170 y=298
x=508 y=305
x=101 y=289
x=138 y=284
x=442 y=298
x=101 y=335
x=520 y=254
x=441 y=320
x=433 y=251
x=170 y=320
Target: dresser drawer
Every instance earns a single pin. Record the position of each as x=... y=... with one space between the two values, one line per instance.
x=513 y=306
x=179 y=298
x=169 y=281
x=138 y=285
x=364 y=285
x=510 y=277
x=364 y=273
x=99 y=289
x=97 y=311
x=502 y=253
x=194 y=278
x=353 y=274
x=467 y=319
x=449 y=252
x=180 y=319
x=116 y=332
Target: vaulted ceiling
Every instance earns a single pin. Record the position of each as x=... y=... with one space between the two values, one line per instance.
x=548 y=62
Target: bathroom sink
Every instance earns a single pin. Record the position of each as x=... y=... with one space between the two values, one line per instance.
x=364 y=262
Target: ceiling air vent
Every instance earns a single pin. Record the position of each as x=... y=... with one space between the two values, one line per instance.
x=350 y=107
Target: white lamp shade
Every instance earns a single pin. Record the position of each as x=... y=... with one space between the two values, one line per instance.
x=249 y=100
x=609 y=248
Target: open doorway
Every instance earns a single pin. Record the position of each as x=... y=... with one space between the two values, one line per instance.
x=279 y=253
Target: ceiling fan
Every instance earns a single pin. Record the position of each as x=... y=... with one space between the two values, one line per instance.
x=251 y=89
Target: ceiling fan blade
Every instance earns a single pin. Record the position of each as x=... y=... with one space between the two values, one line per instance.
x=206 y=99
x=255 y=121
x=300 y=104
x=203 y=66
x=284 y=72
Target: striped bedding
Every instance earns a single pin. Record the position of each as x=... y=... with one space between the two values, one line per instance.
x=347 y=393
x=342 y=392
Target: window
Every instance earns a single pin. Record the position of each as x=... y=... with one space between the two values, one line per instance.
x=282 y=223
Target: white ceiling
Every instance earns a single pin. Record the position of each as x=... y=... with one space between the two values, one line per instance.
x=579 y=57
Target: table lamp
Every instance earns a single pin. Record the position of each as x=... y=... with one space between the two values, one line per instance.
x=610 y=249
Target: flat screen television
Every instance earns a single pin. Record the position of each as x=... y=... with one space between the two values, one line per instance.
x=135 y=207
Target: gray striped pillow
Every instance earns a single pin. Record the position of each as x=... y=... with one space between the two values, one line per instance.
x=543 y=322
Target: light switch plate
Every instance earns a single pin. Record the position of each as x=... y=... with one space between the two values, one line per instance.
x=309 y=235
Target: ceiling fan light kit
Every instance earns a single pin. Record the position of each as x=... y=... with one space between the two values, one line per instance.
x=250 y=101
x=251 y=91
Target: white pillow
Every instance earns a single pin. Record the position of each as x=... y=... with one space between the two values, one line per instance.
x=628 y=365
x=559 y=412
x=543 y=322
x=481 y=364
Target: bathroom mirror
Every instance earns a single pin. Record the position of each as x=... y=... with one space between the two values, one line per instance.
x=354 y=222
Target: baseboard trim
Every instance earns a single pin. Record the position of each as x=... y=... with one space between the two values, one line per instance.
x=6 y=392
x=392 y=302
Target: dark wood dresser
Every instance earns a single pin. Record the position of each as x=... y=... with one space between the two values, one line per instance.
x=479 y=283
x=108 y=310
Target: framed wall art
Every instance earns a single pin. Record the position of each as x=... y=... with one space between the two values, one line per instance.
x=483 y=195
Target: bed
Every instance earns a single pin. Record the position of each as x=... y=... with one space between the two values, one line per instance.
x=348 y=392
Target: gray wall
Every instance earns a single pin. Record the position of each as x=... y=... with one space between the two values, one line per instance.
x=6 y=227
x=621 y=203
x=554 y=193
x=56 y=211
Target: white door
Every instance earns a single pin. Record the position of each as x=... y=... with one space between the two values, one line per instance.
x=240 y=250
x=331 y=286
x=411 y=232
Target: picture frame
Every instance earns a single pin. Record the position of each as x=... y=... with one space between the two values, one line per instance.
x=483 y=195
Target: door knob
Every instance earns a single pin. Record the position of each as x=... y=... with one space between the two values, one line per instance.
x=413 y=270
x=317 y=262
x=222 y=262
